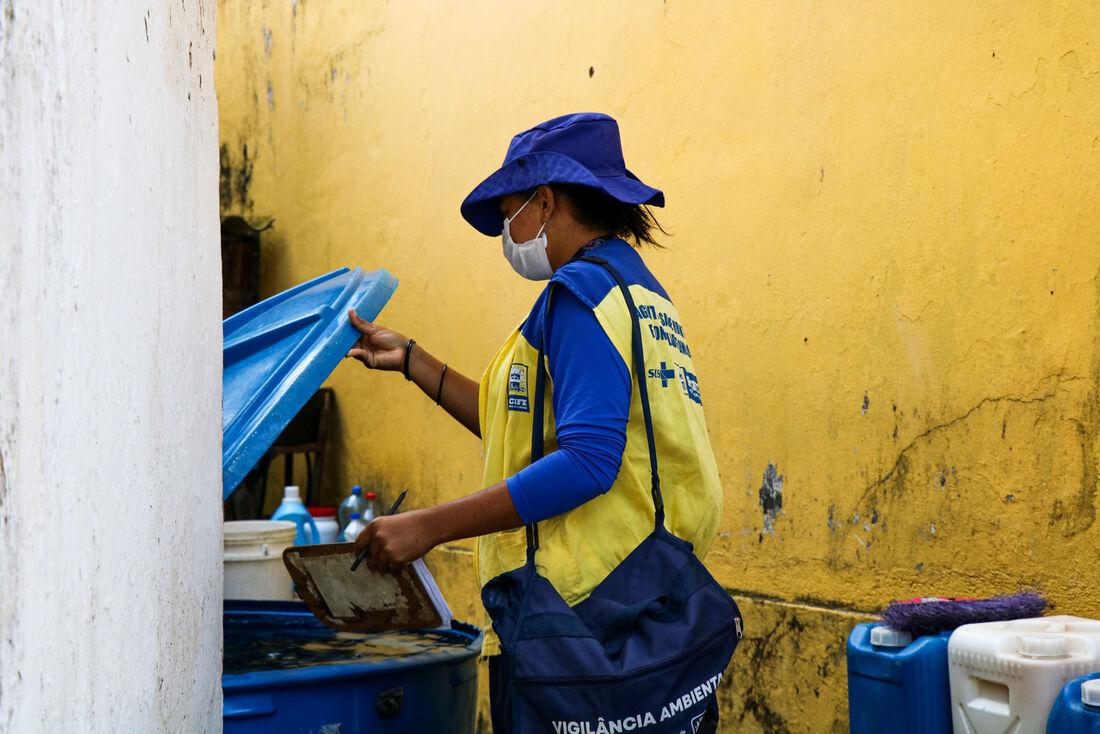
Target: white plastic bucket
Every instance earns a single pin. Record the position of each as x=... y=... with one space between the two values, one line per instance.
x=253 y=553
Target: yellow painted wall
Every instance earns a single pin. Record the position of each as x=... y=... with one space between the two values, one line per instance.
x=884 y=247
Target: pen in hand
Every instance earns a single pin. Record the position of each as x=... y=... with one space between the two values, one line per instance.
x=393 y=508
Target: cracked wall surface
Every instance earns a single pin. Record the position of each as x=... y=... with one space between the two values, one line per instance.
x=883 y=247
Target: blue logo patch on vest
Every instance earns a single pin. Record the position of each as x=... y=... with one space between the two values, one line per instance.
x=517 y=389
x=690 y=385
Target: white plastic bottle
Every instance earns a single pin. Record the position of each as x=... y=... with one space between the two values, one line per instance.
x=327 y=527
x=354 y=502
x=355 y=526
x=369 y=513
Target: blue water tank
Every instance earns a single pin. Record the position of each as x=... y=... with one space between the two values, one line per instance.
x=897 y=684
x=285 y=673
x=1077 y=708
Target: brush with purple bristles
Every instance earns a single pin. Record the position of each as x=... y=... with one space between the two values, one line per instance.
x=930 y=615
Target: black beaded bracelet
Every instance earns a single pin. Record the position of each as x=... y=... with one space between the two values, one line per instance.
x=408 y=351
x=439 y=392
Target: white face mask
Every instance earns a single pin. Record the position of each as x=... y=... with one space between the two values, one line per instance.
x=529 y=258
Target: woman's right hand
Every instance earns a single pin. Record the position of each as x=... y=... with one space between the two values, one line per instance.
x=378 y=347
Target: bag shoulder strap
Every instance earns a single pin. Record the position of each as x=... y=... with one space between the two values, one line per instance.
x=640 y=376
x=638 y=358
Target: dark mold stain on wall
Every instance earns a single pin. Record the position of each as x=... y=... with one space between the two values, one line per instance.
x=757 y=689
x=1076 y=514
x=234 y=180
x=771 y=498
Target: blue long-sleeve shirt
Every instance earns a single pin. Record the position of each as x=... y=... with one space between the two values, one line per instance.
x=591 y=399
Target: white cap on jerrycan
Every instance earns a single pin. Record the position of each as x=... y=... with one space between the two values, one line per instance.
x=883 y=636
x=1043 y=646
x=1090 y=693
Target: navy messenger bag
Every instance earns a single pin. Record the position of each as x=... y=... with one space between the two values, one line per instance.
x=644 y=653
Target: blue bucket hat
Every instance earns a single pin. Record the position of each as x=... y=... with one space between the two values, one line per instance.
x=582 y=148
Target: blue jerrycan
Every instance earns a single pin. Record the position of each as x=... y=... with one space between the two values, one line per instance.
x=897 y=684
x=292 y=510
x=1077 y=708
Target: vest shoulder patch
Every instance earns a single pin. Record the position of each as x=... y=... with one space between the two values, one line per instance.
x=518 y=398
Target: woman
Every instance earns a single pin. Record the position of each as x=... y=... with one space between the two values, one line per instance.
x=562 y=193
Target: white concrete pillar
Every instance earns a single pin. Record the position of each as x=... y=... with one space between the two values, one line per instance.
x=110 y=367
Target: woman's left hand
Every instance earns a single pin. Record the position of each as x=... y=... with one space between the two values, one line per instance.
x=395 y=540
x=378 y=348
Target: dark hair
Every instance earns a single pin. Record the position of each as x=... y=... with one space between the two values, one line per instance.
x=593 y=208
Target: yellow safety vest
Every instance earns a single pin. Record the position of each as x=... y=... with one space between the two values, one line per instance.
x=579 y=548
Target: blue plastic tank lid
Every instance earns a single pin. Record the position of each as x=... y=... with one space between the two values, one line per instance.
x=276 y=354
